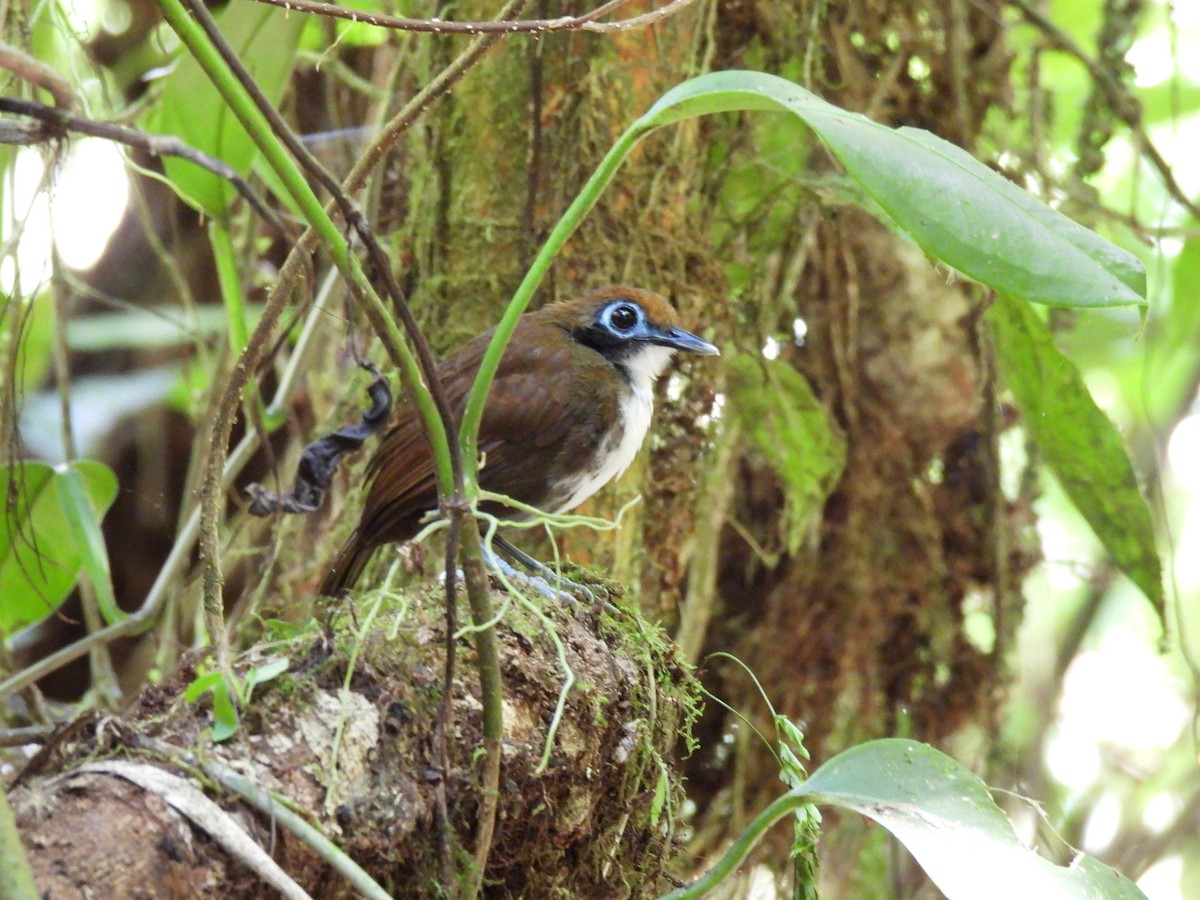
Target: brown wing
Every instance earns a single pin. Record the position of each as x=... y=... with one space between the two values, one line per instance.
x=544 y=421
x=537 y=424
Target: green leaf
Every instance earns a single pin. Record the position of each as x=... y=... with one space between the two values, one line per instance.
x=225 y=717
x=41 y=552
x=1080 y=444
x=946 y=818
x=200 y=685
x=267 y=672
x=661 y=787
x=791 y=431
x=951 y=205
x=261 y=675
x=265 y=40
x=84 y=523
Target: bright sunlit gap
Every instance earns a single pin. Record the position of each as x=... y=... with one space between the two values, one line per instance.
x=1153 y=58
x=1183 y=450
x=1103 y=824
x=1163 y=880
x=90 y=193
x=1183 y=474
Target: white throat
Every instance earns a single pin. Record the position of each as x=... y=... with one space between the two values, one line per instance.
x=621 y=445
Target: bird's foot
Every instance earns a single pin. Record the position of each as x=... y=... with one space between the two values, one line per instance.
x=542 y=579
x=595 y=594
x=545 y=582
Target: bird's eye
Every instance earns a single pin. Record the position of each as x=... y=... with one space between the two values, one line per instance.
x=624 y=317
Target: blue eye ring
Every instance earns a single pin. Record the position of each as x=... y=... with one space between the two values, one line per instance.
x=623 y=316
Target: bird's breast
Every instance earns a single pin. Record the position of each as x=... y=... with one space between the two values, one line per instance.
x=616 y=449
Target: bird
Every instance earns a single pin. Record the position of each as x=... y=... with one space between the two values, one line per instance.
x=568 y=409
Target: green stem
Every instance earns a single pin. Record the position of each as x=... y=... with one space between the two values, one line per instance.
x=740 y=849
x=225 y=258
x=468 y=433
x=274 y=807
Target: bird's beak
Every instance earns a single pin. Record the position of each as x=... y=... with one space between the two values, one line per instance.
x=678 y=339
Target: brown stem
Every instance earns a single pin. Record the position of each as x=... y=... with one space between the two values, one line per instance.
x=57 y=123
x=585 y=22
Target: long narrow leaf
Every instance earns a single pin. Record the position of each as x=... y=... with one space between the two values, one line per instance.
x=952 y=206
x=1080 y=444
x=84 y=522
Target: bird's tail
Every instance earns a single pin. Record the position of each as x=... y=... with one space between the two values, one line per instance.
x=347 y=566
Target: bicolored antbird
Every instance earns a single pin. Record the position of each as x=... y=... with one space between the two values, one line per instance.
x=568 y=410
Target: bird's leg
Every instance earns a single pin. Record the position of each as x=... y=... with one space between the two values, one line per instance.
x=555 y=581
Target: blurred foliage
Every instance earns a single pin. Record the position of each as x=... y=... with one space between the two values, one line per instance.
x=49 y=535
x=793 y=433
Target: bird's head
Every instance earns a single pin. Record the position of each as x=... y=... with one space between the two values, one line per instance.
x=636 y=330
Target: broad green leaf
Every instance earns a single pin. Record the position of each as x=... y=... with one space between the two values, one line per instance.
x=792 y=432
x=1078 y=441
x=947 y=819
x=40 y=554
x=951 y=205
x=265 y=40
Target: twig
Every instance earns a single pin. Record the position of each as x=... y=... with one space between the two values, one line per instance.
x=349 y=210
x=37 y=72
x=180 y=555
x=293 y=267
x=183 y=796
x=103 y=676
x=585 y=22
x=57 y=123
x=268 y=805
